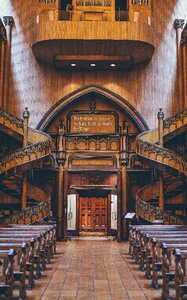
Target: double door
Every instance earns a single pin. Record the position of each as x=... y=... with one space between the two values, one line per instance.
x=93 y=213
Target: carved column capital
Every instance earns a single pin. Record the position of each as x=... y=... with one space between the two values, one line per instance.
x=8 y=20
x=179 y=23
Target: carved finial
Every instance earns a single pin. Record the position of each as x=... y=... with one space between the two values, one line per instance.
x=8 y=20
x=26 y=113
x=61 y=126
x=160 y=114
x=92 y=104
x=124 y=127
x=179 y=23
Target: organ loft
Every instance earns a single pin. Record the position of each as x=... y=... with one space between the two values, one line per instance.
x=93 y=148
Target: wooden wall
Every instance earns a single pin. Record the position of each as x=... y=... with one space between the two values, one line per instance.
x=147 y=87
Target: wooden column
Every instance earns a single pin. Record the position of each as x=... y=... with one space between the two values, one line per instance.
x=184 y=53
x=60 y=161
x=179 y=23
x=3 y=39
x=124 y=164
x=2 y=65
x=160 y=141
x=185 y=74
x=8 y=21
x=26 y=115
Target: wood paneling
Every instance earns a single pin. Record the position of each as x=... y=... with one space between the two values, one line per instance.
x=147 y=87
x=93 y=38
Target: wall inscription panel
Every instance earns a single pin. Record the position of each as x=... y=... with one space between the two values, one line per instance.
x=92 y=123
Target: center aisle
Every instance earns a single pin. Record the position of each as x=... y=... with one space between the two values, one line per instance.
x=92 y=269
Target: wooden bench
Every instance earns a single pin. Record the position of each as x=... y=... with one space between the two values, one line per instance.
x=6 y=279
x=24 y=263
x=135 y=230
x=144 y=246
x=150 y=251
x=50 y=231
x=141 y=245
x=180 y=273
x=168 y=273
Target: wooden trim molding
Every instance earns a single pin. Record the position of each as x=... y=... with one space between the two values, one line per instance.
x=93 y=89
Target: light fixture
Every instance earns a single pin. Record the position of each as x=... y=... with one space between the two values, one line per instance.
x=92 y=65
x=112 y=65
x=73 y=65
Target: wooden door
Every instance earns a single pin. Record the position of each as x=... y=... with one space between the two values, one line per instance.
x=93 y=213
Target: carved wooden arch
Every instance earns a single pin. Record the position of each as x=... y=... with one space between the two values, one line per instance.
x=93 y=89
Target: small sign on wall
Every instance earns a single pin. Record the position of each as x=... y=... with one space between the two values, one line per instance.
x=86 y=122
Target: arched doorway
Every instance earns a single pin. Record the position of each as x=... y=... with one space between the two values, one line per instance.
x=93 y=132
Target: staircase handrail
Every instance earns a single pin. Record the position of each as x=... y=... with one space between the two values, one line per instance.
x=26 y=154
x=147 y=147
x=11 y=118
x=151 y=213
x=30 y=214
x=179 y=116
x=39 y=143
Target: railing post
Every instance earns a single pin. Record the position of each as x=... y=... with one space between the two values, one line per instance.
x=178 y=24
x=160 y=141
x=26 y=115
x=8 y=21
x=61 y=161
x=124 y=163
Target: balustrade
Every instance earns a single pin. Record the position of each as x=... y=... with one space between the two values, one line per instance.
x=147 y=147
x=31 y=214
x=92 y=143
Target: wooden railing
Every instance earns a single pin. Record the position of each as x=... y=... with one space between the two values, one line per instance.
x=25 y=155
x=39 y=144
x=163 y=159
x=31 y=214
x=151 y=213
x=38 y=148
x=92 y=143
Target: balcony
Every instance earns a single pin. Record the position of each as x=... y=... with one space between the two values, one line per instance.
x=97 y=38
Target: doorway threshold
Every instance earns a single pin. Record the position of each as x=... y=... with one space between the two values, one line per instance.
x=92 y=238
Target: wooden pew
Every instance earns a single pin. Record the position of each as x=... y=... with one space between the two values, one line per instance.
x=6 y=280
x=144 y=247
x=157 y=261
x=50 y=232
x=149 y=252
x=24 y=262
x=135 y=229
x=44 y=248
x=168 y=273
x=180 y=273
x=50 y=228
x=29 y=241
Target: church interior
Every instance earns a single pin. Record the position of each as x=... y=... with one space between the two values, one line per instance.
x=93 y=149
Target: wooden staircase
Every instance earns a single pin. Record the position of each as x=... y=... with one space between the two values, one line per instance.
x=174 y=168
x=36 y=155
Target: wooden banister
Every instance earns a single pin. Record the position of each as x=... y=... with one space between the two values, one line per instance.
x=162 y=159
x=38 y=148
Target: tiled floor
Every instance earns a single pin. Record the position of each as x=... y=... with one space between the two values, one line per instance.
x=92 y=269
